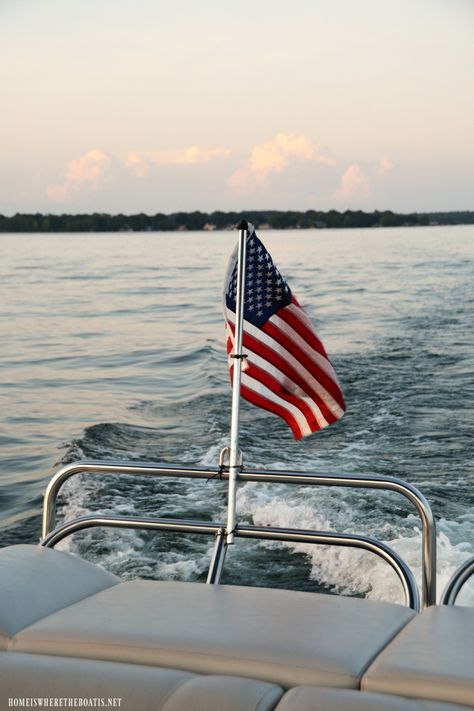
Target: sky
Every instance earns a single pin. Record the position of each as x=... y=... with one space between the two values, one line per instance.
x=151 y=106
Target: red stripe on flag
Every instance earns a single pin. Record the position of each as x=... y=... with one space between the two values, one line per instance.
x=278 y=335
x=275 y=386
x=287 y=371
x=309 y=336
x=279 y=362
x=263 y=402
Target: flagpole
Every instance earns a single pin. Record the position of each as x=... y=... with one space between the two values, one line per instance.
x=236 y=381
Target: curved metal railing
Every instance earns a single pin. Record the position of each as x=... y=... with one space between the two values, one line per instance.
x=456 y=582
x=255 y=475
x=403 y=572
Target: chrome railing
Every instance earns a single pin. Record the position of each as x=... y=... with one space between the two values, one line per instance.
x=428 y=562
x=456 y=582
x=253 y=532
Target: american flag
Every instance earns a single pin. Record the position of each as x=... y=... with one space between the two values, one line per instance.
x=286 y=369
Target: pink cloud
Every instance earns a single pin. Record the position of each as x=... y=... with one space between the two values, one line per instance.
x=354 y=185
x=385 y=166
x=90 y=170
x=273 y=157
x=95 y=169
x=141 y=162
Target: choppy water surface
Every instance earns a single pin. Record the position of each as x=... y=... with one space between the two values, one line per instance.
x=112 y=346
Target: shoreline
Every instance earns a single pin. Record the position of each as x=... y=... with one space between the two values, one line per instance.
x=223 y=221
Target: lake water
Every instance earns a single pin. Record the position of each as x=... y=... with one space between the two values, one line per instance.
x=112 y=346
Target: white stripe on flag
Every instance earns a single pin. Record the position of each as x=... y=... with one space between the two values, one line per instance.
x=316 y=357
x=265 y=392
x=286 y=382
x=302 y=316
x=314 y=384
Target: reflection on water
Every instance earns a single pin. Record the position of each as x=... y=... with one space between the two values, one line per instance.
x=112 y=346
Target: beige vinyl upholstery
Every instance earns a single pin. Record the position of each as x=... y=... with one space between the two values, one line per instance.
x=224 y=693
x=278 y=636
x=305 y=698
x=432 y=658
x=36 y=581
x=68 y=628
x=138 y=688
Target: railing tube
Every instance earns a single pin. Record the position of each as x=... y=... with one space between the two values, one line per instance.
x=387 y=554
x=428 y=530
x=267 y=476
x=148 y=524
x=256 y=532
x=218 y=558
x=456 y=582
x=98 y=467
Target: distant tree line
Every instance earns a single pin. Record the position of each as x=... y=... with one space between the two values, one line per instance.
x=269 y=219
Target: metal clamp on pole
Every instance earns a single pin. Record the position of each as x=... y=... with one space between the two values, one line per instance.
x=236 y=381
x=225 y=453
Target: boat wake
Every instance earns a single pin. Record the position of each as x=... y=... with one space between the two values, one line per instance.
x=298 y=566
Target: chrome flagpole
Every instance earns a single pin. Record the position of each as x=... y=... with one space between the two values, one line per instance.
x=236 y=381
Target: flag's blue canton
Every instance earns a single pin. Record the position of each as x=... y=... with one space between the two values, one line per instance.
x=265 y=289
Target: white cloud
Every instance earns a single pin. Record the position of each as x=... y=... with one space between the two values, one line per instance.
x=141 y=162
x=95 y=169
x=358 y=184
x=137 y=163
x=355 y=185
x=91 y=170
x=385 y=166
x=289 y=170
x=274 y=157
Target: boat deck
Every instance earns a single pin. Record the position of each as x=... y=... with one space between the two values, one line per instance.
x=68 y=628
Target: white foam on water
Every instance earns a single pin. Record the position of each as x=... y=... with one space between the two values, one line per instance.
x=72 y=497
x=125 y=552
x=211 y=456
x=348 y=571
x=182 y=568
x=352 y=571
x=122 y=545
x=452 y=554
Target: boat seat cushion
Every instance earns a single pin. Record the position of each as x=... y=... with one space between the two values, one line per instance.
x=305 y=698
x=432 y=658
x=138 y=688
x=36 y=581
x=279 y=636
